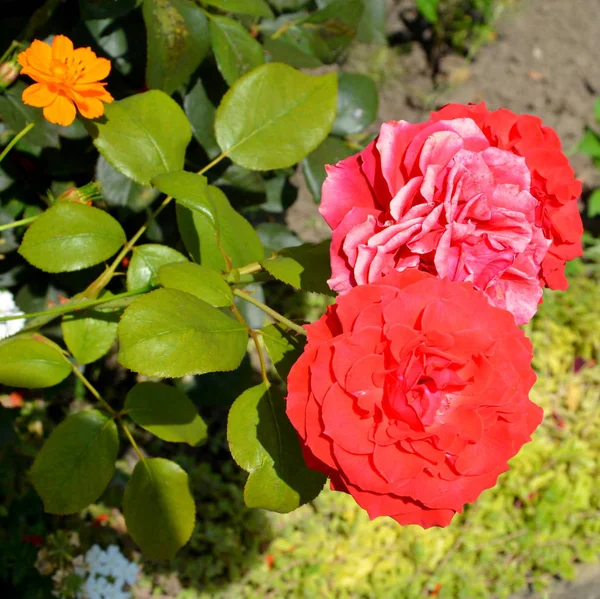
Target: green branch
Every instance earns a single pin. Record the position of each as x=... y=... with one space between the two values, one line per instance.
x=272 y=313
x=15 y=139
x=18 y=223
x=75 y=305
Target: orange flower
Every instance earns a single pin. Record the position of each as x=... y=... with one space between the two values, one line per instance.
x=65 y=77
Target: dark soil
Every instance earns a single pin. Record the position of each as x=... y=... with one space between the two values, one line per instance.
x=545 y=61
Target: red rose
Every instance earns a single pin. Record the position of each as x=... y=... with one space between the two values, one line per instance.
x=411 y=395
x=471 y=195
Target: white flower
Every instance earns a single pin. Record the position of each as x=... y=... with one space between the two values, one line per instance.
x=114 y=591
x=113 y=562
x=97 y=588
x=130 y=573
x=9 y=308
x=102 y=565
x=95 y=560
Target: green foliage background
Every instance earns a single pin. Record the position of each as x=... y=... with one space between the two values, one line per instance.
x=542 y=517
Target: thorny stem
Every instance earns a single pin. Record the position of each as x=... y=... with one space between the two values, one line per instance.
x=18 y=223
x=272 y=313
x=16 y=139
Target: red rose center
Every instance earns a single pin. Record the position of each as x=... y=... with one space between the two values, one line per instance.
x=419 y=389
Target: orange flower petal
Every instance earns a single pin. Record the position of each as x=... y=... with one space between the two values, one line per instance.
x=37 y=56
x=96 y=70
x=38 y=95
x=93 y=90
x=62 y=47
x=90 y=108
x=22 y=58
x=84 y=55
x=35 y=75
x=61 y=111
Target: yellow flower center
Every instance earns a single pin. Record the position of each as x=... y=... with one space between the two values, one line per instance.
x=59 y=69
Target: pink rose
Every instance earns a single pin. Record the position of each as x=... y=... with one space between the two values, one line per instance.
x=457 y=198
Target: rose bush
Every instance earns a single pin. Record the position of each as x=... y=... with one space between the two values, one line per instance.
x=411 y=395
x=471 y=195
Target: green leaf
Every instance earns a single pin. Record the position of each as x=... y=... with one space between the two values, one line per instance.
x=371 y=27
x=189 y=189
x=143 y=135
x=70 y=237
x=357 y=104
x=274 y=116
x=90 y=334
x=158 y=507
x=254 y=8
x=178 y=41
x=241 y=178
x=264 y=443
x=328 y=31
x=292 y=48
x=31 y=363
x=597 y=110
x=201 y=114
x=120 y=190
x=170 y=333
x=236 y=51
x=276 y=236
x=593 y=204
x=165 y=412
x=331 y=151
x=428 y=8
x=16 y=115
x=209 y=226
x=76 y=462
x=590 y=144
x=146 y=261
x=203 y=282
x=280 y=196
x=283 y=346
x=304 y=267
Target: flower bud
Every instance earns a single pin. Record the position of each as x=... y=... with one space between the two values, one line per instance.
x=81 y=195
x=9 y=71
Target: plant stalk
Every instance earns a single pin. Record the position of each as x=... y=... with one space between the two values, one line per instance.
x=104 y=279
x=75 y=306
x=18 y=223
x=272 y=313
x=15 y=140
